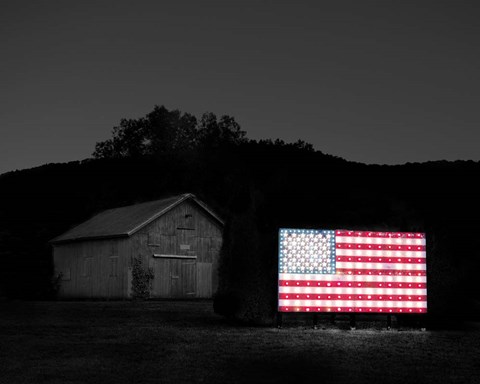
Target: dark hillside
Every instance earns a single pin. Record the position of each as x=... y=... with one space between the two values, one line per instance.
x=257 y=187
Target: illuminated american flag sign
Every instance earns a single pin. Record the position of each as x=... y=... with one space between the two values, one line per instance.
x=351 y=271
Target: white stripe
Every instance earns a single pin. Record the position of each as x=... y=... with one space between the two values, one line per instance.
x=314 y=277
x=353 y=291
x=389 y=266
x=368 y=278
x=379 y=240
x=352 y=303
x=379 y=253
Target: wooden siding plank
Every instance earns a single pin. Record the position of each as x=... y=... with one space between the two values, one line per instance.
x=161 y=281
x=176 y=288
x=188 y=278
x=204 y=280
x=157 y=255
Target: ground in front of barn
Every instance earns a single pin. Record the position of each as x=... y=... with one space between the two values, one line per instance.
x=185 y=342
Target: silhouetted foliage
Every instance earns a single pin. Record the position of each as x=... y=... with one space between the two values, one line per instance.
x=163 y=131
x=257 y=187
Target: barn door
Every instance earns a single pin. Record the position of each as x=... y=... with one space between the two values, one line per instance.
x=189 y=278
x=175 y=278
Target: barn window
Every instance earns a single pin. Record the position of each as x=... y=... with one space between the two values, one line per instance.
x=87 y=267
x=152 y=239
x=187 y=223
x=113 y=266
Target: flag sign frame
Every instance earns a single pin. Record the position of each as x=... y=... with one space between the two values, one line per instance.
x=351 y=271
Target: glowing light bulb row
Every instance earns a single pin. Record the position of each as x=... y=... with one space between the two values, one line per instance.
x=352 y=309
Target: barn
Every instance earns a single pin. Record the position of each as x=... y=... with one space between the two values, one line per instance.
x=178 y=238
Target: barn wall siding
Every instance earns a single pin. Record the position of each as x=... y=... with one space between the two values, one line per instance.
x=204 y=275
x=89 y=266
x=186 y=231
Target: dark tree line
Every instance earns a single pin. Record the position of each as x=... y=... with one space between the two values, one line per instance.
x=257 y=187
x=169 y=132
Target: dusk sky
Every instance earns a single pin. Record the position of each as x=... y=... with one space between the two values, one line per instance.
x=370 y=81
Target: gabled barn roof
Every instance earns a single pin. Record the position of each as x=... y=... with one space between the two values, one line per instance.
x=125 y=221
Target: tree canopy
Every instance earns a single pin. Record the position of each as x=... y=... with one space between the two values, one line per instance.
x=163 y=131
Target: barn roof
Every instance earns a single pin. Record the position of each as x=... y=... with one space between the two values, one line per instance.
x=125 y=221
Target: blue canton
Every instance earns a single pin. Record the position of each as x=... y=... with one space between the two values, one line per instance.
x=307 y=251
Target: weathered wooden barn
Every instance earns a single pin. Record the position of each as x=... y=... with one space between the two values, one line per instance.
x=178 y=237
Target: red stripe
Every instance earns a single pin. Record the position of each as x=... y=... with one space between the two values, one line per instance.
x=386 y=235
x=324 y=296
x=352 y=309
x=377 y=272
x=353 y=284
x=383 y=259
x=381 y=247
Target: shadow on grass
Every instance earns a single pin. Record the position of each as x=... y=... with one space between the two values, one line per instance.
x=282 y=367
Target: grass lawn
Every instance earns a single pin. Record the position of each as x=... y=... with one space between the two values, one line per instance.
x=185 y=342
